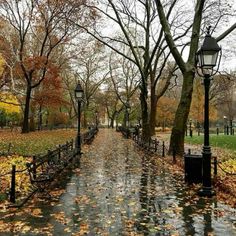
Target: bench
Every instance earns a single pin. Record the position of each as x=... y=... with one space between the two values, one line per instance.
x=43 y=168
x=89 y=136
x=41 y=174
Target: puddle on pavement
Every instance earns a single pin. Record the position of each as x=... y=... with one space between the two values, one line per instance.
x=120 y=192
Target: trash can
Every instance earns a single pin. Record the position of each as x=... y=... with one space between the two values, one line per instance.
x=193 y=168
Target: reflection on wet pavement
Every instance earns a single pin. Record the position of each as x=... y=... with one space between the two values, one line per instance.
x=117 y=190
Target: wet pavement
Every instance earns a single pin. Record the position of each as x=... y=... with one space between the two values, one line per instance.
x=118 y=190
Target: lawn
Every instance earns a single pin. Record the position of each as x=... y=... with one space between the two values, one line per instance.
x=34 y=142
x=221 y=141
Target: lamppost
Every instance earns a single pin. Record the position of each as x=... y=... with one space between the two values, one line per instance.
x=207 y=58
x=217 y=128
x=226 y=127
x=190 y=128
x=96 y=117
x=231 y=126
x=79 y=94
x=127 y=108
x=224 y=117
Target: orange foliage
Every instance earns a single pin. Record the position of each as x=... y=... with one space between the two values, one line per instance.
x=197 y=105
x=166 y=108
x=50 y=93
x=58 y=118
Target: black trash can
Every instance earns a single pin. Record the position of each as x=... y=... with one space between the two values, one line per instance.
x=193 y=168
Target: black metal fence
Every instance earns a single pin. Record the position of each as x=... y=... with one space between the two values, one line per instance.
x=43 y=169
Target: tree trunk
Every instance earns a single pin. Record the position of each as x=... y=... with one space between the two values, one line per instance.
x=181 y=116
x=112 y=122
x=145 y=121
x=25 y=127
x=113 y=119
x=32 y=123
x=40 y=118
x=153 y=111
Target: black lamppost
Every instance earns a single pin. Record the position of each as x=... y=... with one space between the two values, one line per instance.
x=217 y=129
x=127 y=111
x=190 y=128
x=225 y=124
x=79 y=94
x=231 y=126
x=207 y=58
x=96 y=117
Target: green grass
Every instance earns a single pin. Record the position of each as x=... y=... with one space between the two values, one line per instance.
x=221 y=141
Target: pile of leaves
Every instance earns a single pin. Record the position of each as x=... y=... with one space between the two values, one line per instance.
x=22 y=178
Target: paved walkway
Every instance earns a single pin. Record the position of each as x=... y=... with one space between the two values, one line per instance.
x=117 y=190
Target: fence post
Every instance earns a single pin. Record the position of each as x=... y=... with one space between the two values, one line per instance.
x=215 y=165
x=13 y=185
x=163 y=149
x=34 y=167
x=155 y=145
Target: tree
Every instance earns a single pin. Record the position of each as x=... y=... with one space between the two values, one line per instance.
x=223 y=95
x=145 y=46
x=197 y=104
x=166 y=107
x=40 y=27
x=91 y=72
x=187 y=68
x=125 y=82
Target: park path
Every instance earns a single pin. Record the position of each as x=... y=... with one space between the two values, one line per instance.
x=118 y=190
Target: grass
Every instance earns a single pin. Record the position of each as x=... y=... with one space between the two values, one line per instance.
x=221 y=141
x=35 y=142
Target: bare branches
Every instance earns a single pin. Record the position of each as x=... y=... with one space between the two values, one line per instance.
x=168 y=36
x=226 y=32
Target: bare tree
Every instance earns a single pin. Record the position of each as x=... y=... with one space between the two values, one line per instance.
x=137 y=24
x=187 y=68
x=125 y=82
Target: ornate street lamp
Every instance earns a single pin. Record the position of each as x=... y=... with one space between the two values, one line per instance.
x=207 y=58
x=79 y=95
x=226 y=127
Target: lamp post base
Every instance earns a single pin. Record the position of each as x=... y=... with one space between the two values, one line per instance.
x=206 y=192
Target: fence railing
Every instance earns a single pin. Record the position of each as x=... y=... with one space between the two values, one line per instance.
x=152 y=145
x=43 y=169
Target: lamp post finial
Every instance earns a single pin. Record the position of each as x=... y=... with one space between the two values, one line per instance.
x=208 y=30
